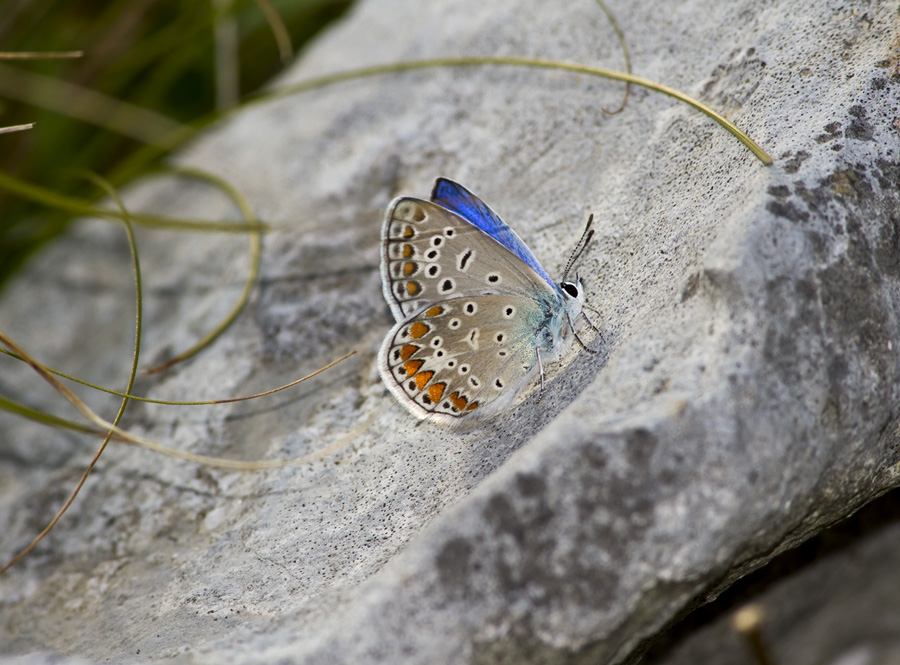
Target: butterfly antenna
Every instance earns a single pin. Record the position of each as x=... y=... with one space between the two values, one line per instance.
x=580 y=247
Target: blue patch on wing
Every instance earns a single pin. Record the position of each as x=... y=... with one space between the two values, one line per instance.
x=464 y=203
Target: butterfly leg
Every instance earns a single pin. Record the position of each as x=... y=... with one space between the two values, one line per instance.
x=587 y=318
x=591 y=323
x=541 y=366
x=575 y=332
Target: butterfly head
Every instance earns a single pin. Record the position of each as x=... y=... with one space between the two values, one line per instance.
x=573 y=296
x=573 y=290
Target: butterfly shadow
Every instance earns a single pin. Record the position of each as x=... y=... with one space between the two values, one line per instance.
x=504 y=434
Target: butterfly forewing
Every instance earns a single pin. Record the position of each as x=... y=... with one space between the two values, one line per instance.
x=431 y=254
x=455 y=197
x=464 y=357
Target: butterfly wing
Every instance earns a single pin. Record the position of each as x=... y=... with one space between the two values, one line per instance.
x=464 y=358
x=431 y=254
x=464 y=203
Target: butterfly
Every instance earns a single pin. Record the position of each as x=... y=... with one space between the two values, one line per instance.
x=477 y=315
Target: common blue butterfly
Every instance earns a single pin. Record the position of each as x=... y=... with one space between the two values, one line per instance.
x=477 y=314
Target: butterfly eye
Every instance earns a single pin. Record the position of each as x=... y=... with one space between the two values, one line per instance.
x=570 y=288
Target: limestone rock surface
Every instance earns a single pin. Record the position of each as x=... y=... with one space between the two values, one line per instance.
x=744 y=394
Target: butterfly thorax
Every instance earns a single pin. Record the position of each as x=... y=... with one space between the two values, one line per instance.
x=555 y=338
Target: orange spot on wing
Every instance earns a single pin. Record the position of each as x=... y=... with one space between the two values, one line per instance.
x=407 y=251
x=458 y=402
x=473 y=405
x=412 y=366
x=434 y=311
x=408 y=232
x=409 y=268
x=436 y=391
x=418 y=329
x=422 y=379
x=412 y=288
x=408 y=350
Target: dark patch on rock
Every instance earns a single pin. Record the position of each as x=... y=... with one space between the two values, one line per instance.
x=819 y=243
x=852 y=306
x=851 y=183
x=691 y=284
x=454 y=565
x=888 y=175
x=787 y=210
x=832 y=131
x=793 y=164
x=796 y=309
x=530 y=485
x=712 y=282
x=887 y=250
x=722 y=283
x=525 y=556
x=780 y=192
x=859 y=128
x=641 y=446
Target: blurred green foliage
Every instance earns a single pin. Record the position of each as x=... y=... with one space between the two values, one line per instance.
x=158 y=55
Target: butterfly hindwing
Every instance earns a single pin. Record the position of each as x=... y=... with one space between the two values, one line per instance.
x=464 y=358
x=431 y=254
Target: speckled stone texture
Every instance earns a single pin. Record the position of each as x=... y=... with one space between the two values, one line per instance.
x=831 y=601
x=744 y=395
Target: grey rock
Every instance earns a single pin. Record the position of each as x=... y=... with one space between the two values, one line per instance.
x=831 y=601
x=743 y=397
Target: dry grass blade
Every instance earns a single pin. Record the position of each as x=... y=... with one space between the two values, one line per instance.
x=225 y=40
x=279 y=30
x=86 y=105
x=252 y=273
x=119 y=434
x=621 y=37
x=82 y=208
x=40 y=55
x=132 y=243
x=16 y=128
x=537 y=63
x=21 y=409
